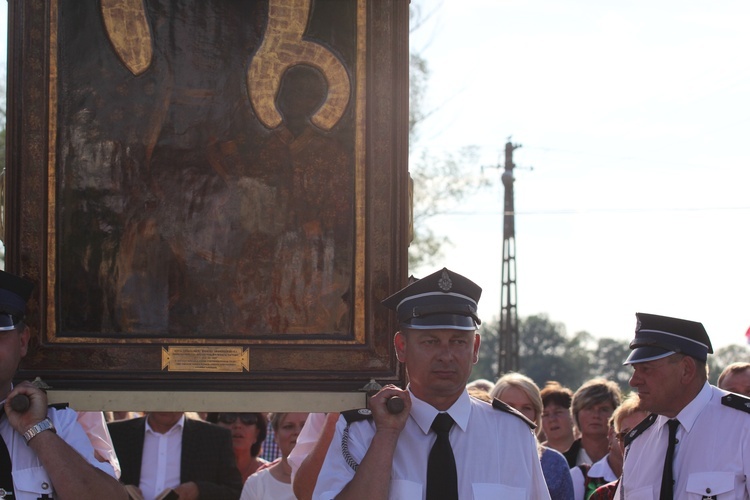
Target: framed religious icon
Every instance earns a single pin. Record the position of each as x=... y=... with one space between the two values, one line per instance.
x=210 y=195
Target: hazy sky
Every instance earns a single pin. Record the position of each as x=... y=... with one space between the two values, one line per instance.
x=635 y=117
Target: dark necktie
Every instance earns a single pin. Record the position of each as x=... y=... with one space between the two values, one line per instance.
x=667 y=480
x=442 y=482
x=6 y=476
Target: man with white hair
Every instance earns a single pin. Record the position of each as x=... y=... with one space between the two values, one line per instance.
x=695 y=442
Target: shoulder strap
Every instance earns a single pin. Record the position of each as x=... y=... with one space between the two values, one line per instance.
x=639 y=429
x=352 y=416
x=499 y=405
x=737 y=402
x=356 y=415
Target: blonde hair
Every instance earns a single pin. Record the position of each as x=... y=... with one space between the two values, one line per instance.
x=480 y=394
x=629 y=406
x=529 y=388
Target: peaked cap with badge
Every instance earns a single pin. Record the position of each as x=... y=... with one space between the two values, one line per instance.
x=657 y=337
x=442 y=300
x=14 y=292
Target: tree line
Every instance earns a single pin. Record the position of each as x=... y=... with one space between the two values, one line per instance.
x=548 y=352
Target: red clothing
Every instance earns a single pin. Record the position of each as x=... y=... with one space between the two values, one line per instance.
x=605 y=492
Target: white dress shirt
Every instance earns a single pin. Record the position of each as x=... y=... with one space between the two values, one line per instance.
x=30 y=480
x=160 y=464
x=496 y=454
x=263 y=486
x=712 y=456
x=603 y=470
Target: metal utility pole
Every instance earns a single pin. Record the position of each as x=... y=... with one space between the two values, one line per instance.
x=508 y=351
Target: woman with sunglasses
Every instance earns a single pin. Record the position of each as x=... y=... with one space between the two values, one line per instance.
x=248 y=433
x=275 y=481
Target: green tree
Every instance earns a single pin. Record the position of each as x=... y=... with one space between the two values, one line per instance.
x=486 y=366
x=547 y=352
x=608 y=359
x=725 y=356
x=441 y=182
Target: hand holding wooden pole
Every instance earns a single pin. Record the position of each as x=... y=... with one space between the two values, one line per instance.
x=21 y=402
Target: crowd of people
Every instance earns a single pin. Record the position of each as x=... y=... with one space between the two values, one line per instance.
x=673 y=436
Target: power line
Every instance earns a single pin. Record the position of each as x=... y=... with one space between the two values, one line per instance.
x=583 y=211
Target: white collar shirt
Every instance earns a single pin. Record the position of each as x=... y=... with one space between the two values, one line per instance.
x=711 y=458
x=603 y=470
x=160 y=464
x=495 y=452
x=30 y=480
x=583 y=457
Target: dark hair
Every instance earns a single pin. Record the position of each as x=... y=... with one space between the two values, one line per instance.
x=262 y=425
x=554 y=393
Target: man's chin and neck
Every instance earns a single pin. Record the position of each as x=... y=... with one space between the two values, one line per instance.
x=440 y=399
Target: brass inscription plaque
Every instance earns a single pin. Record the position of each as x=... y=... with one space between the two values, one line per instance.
x=205 y=359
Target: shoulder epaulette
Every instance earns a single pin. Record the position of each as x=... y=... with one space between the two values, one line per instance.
x=639 y=429
x=737 y=402
x=499 y=405
x=352 y=416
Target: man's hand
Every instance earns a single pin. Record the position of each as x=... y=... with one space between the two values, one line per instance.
x=188 y=491
x=373 y=476
x=385 y=420
x=36 y=412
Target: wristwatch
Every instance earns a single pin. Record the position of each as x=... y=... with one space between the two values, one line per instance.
x=44 y=425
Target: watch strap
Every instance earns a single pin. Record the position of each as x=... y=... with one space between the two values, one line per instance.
x=44 y=425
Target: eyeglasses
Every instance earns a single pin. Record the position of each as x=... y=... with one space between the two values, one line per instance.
x=245 y=418
x=621 y=435
x=555 y=414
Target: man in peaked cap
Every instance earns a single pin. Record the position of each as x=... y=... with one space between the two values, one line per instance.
x=44 y=452
x=444 y=444
x=695 y=442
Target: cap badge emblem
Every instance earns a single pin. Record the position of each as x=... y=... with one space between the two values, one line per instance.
x=445 y=282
